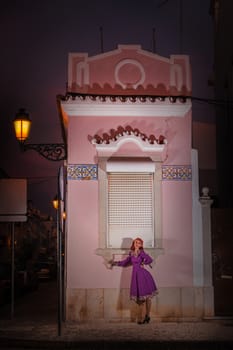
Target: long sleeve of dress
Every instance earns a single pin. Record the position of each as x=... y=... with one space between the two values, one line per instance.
x=125 y=262
x=146 y=258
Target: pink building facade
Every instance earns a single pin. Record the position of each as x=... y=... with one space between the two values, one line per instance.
x=131 y=172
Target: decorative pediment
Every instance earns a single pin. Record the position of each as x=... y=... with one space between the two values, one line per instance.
x=110 y=143
x=129 y=69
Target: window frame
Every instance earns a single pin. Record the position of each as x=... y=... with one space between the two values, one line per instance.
x=103 y=250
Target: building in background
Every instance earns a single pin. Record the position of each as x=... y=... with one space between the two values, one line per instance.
x=221 y=11
x=222 y=214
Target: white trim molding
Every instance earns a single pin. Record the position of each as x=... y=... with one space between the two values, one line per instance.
x=131 y=62
x=111 y=108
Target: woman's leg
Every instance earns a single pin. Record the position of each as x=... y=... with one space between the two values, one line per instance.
x=140 y=312
x=148 y=306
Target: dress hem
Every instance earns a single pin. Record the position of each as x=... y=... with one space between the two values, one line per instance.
x=143 y=298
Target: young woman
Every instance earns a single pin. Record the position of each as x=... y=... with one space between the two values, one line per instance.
x=142 y=287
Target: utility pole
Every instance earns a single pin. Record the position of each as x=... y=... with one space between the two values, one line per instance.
x=101 y=40
x=181 y=25
x=153 y=41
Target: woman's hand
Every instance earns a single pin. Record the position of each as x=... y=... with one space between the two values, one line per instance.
x=111 y=263
x=137 y=251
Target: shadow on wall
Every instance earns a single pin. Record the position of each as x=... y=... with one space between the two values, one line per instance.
x=124 y=305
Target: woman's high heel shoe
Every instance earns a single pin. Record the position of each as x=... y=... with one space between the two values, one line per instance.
x=146 y=319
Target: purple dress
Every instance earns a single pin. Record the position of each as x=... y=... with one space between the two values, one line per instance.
x=142 y=283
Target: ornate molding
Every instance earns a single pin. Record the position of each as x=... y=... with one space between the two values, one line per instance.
x=126 y=65
x=92 y=105
x=111 y=143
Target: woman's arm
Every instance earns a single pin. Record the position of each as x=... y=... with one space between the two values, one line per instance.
x=147 y=259
x=123 y=263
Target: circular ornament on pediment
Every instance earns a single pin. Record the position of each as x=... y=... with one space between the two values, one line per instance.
x=129 y=73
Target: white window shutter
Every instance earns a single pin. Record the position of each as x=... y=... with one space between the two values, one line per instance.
x=130 y=208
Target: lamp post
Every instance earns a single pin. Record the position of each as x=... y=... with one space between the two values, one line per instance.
x=50 y=151
x=58 y=205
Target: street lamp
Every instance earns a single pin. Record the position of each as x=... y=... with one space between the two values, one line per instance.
x=56 y=206
x=55 y=202
x=50 y=151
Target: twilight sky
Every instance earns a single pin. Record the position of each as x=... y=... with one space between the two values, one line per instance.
x=36 y=37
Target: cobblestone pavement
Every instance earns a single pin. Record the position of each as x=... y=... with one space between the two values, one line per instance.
x=35 y=326
x=218 y=334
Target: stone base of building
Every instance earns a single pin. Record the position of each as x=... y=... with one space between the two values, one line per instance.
x=171 y=304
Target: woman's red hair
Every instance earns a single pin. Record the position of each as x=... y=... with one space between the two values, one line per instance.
x=136 y=239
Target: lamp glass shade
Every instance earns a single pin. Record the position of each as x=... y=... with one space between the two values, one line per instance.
x=55 y=203
x=22 y=125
